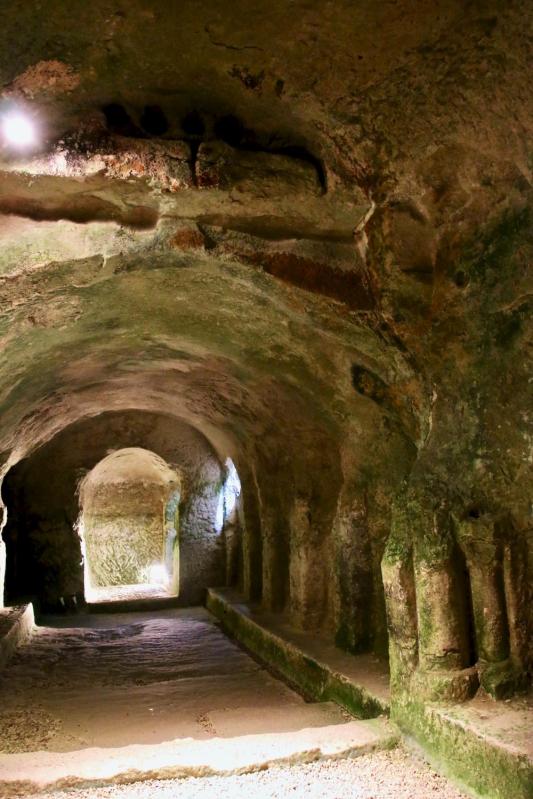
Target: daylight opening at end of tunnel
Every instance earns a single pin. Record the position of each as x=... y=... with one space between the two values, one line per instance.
x=129 y=527
x=108 y=523
x=266 y=442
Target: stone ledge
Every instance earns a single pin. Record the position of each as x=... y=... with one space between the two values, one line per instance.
x=468 y=744
x=140 y=605
x=320 y=671
x=189 y=758
x=16 y=626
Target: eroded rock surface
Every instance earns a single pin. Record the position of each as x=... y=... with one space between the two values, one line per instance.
x=304 y=232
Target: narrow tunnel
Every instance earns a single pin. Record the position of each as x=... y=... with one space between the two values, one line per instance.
x=265 y=429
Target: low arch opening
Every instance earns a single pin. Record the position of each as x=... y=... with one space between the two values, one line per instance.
x=129 y=527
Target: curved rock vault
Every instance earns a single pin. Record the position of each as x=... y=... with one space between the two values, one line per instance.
x=293 y=235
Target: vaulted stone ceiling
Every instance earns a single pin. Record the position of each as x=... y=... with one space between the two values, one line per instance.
x=303 y=229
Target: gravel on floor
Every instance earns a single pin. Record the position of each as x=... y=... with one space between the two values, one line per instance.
x=384 y=775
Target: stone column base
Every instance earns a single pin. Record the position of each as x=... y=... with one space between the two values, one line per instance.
x=446 y=686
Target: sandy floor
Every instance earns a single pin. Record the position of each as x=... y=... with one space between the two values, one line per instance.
x=148 y=678
x=135 y=678
x=384 y=775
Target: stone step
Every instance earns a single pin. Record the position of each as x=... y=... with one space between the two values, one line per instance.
x=141 y=605
x=32 y=772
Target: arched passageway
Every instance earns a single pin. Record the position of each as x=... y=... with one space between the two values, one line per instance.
x=161 y=476
x=296 y=234
x=129 y=520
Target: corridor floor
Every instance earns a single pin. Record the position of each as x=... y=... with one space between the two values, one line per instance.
x=116 y=680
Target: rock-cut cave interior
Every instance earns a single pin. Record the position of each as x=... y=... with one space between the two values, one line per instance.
x=265 y=399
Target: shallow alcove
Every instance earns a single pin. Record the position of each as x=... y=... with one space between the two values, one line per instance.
x=129 y=507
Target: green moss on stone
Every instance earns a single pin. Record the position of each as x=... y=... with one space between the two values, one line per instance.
x=315 y=680
x=492 y=771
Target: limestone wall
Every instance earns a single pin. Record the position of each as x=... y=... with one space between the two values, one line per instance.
x=318 y=263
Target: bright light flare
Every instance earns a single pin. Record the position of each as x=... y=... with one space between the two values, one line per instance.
x=157 y=574
x=18 y=130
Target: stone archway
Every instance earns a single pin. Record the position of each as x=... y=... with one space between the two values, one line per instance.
x=129 y=526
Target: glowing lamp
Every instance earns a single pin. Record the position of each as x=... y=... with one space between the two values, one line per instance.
x=18 y=129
